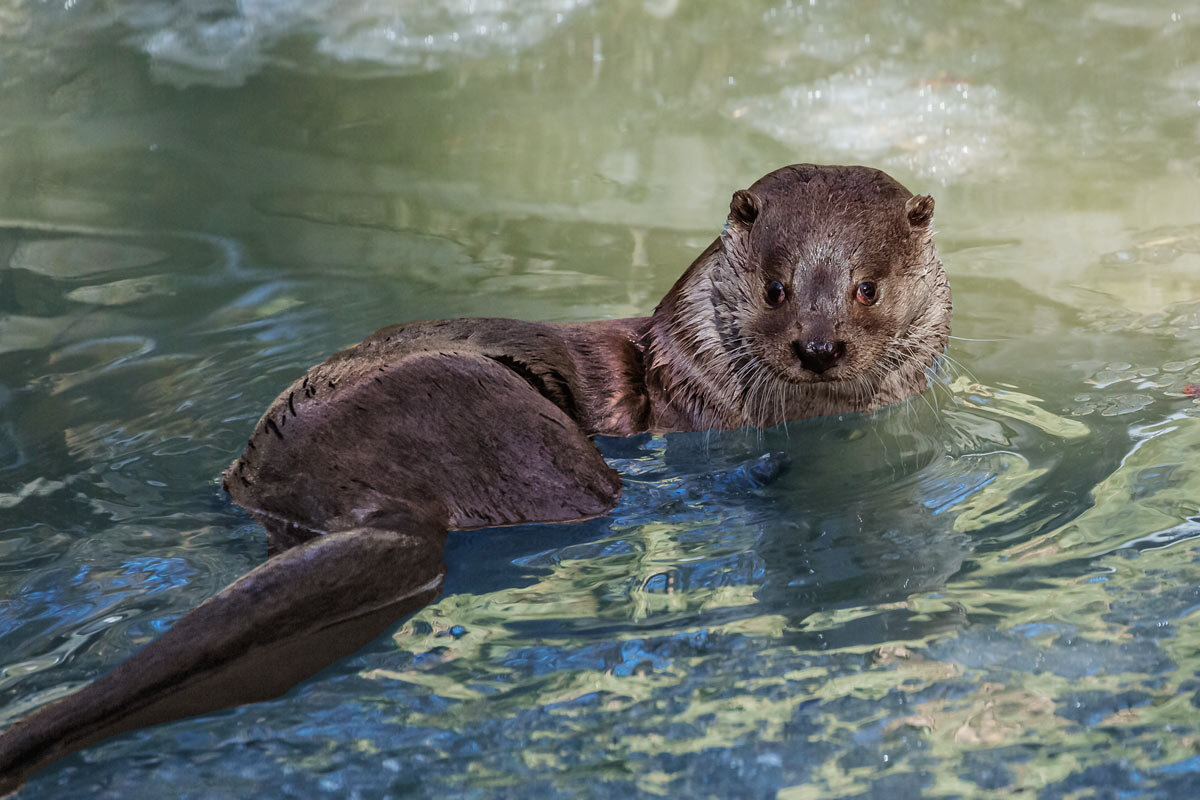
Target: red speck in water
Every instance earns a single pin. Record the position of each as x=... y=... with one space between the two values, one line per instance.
x=941 y=81
x=1191 y=390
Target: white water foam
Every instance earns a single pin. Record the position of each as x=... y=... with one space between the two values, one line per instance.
x=220 y=43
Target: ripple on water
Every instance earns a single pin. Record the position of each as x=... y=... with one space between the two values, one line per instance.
x=995 y=590
x=1124 y=388
x=750 y=618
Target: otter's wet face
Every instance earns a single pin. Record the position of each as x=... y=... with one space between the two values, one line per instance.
x=823 y=295
x=832 y=273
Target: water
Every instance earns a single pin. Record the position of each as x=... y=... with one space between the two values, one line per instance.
x=994 y=587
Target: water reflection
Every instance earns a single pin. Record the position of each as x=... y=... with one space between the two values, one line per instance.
x=992 y=587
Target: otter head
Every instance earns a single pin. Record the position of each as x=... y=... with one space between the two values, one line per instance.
x=831 y=277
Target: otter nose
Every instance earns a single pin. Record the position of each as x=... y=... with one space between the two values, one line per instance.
x=819 y=355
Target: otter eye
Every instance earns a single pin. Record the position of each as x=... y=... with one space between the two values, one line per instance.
x=775 y=293
x=867 y=294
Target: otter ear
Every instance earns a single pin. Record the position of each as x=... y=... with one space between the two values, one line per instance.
x=744 y=208
x=919 y=210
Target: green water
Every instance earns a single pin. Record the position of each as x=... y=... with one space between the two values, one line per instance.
x=994 y=588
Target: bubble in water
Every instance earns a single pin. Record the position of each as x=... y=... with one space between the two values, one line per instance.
x=1125 y=404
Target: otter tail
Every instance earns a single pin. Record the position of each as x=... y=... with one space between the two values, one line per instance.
x=257 y=638
x=390 y=455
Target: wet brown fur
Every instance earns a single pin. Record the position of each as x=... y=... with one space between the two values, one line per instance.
x=361 y=466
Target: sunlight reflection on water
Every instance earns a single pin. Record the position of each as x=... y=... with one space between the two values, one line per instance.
x=991 y=587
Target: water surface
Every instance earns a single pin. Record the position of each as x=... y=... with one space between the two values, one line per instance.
x=993 y=587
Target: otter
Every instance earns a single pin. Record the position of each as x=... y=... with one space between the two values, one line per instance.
x=823 y=294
